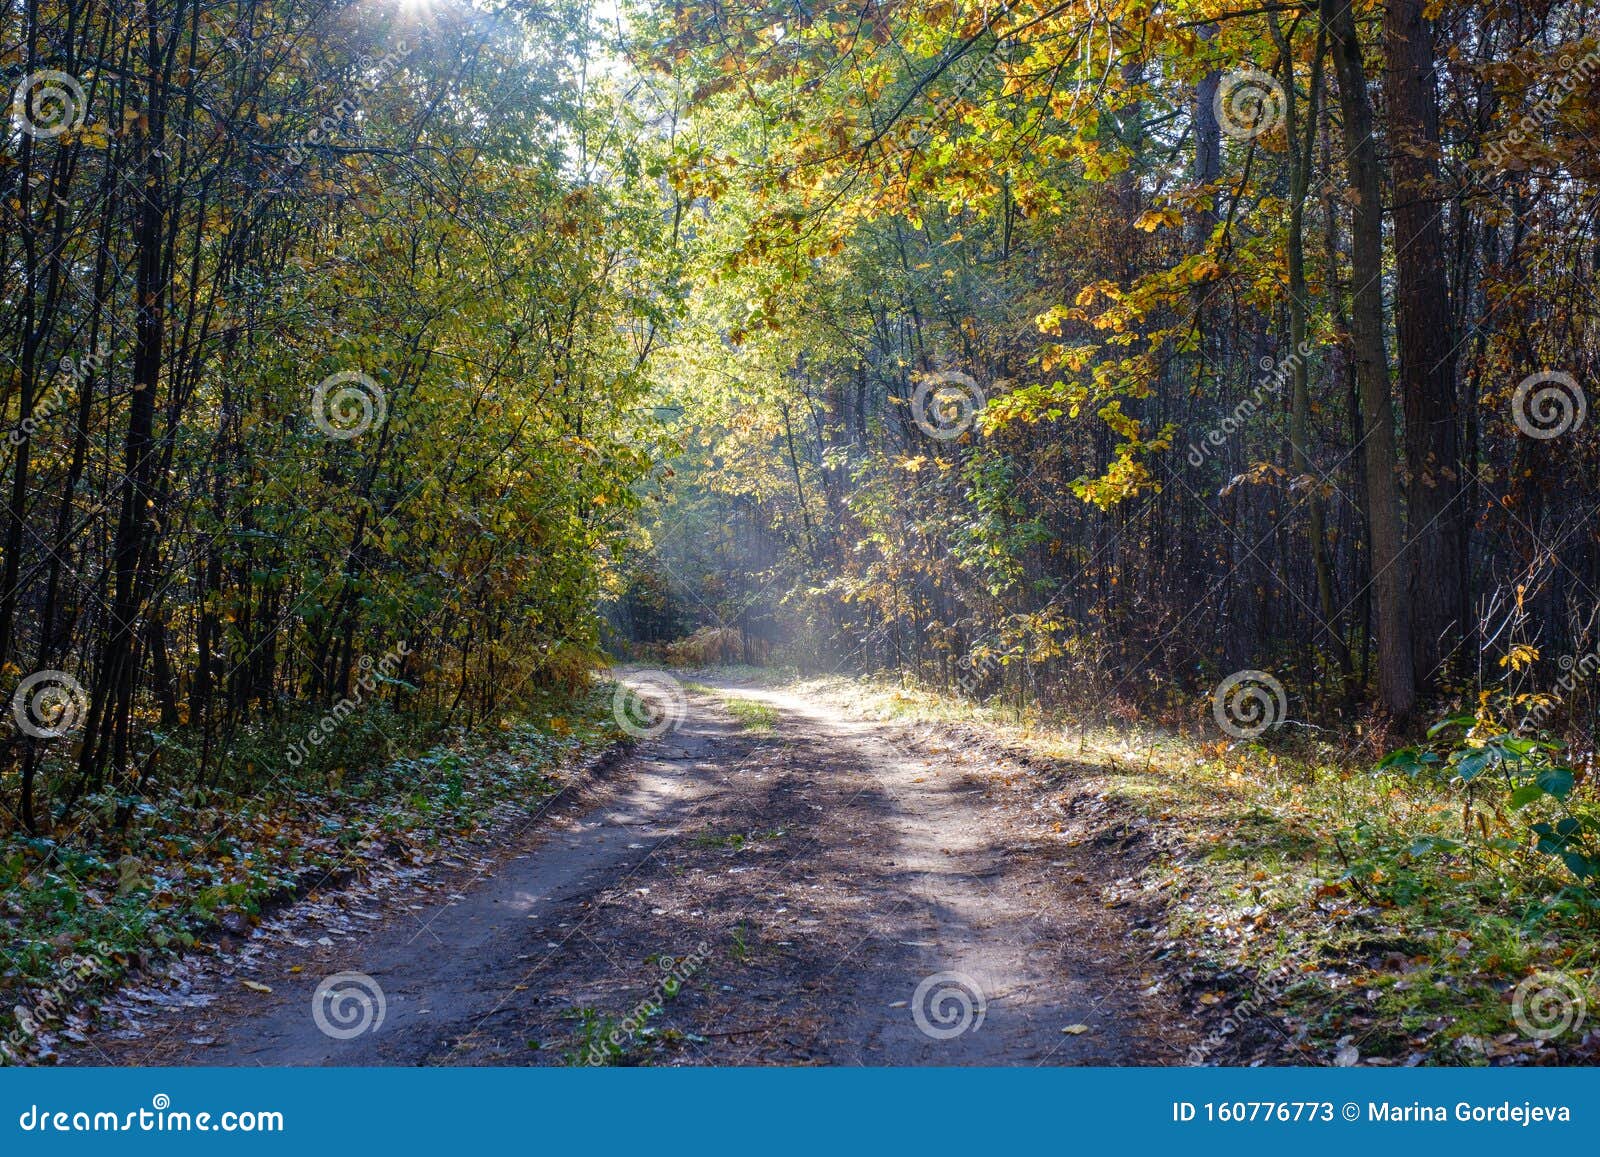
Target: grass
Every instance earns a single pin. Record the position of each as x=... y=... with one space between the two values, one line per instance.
x=604 y=1039
x=740 y=950
x=756 y=717
x=592 y=1044
x=1298 y=860
x=734 y=841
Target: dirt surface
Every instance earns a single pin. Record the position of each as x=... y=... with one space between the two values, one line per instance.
x=804 y=888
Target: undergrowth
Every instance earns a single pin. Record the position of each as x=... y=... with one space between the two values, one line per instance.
x=97 y=899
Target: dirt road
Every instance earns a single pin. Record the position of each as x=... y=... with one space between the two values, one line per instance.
x=787 y=885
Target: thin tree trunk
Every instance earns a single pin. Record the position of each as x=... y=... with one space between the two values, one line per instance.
x=1396 y=685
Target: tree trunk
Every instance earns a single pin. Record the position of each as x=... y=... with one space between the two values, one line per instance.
x=1386 y=535
x=1425 y=335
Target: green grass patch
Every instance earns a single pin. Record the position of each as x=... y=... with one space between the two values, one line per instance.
x=734 y=841
x=755 y=716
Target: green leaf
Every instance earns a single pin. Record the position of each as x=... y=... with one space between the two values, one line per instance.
x=1474 y=764
x=1526 y=794
x=1556 y=781
x=1425 y=845
x=1464 y=721
x=1579 y=865
x=1550 y=842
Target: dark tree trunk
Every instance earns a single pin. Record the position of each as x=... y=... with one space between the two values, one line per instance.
x=1425 y=335
x=1396 y=685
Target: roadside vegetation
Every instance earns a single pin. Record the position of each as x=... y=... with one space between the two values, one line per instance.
x=197 y=870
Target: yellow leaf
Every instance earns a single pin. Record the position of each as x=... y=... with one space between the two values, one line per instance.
x=1153 y=219
x=1520 y=656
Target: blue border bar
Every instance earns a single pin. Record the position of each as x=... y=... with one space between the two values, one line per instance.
x=827 y=1111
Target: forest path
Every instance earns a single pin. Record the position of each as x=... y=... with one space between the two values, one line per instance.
x=799 y=887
